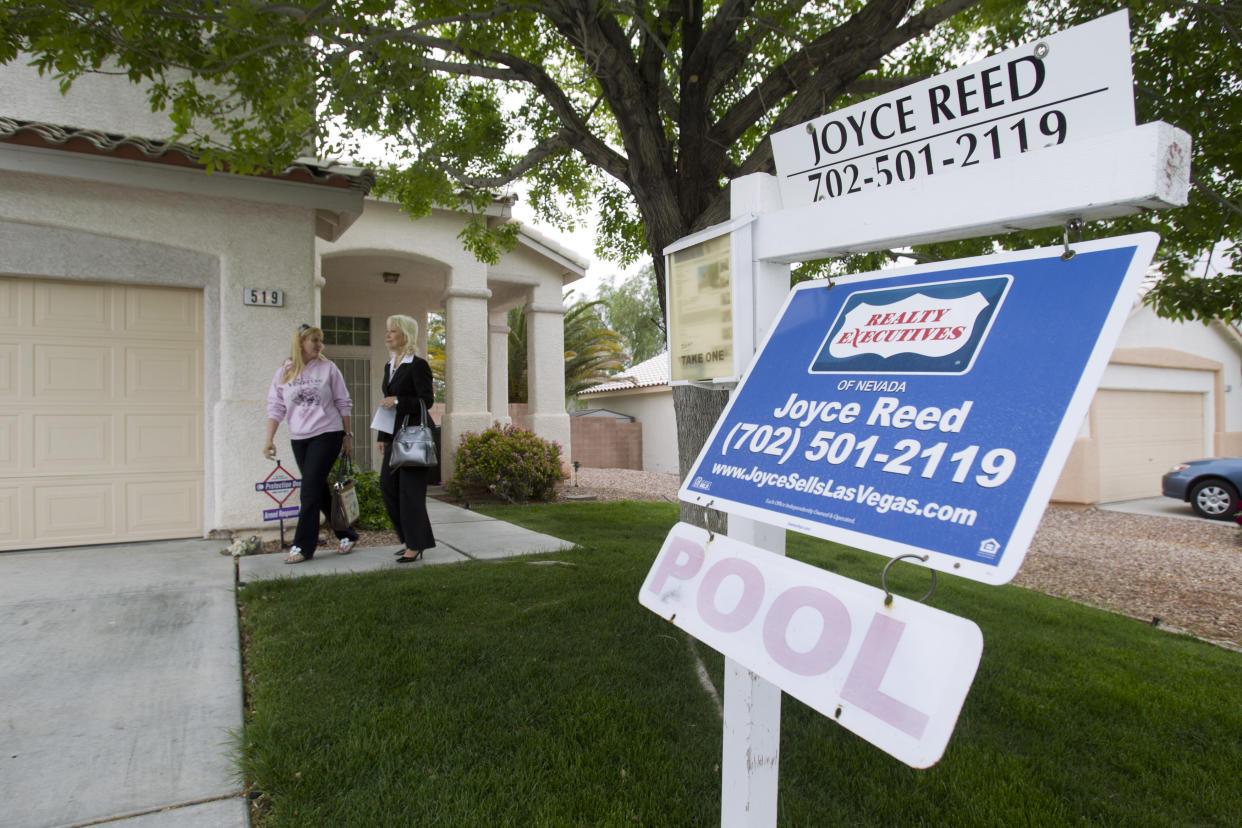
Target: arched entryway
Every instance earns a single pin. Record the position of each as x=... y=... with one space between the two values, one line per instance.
x=387 y=264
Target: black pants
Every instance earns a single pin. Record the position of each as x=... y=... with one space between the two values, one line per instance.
x=315 y=456
x=405 y=499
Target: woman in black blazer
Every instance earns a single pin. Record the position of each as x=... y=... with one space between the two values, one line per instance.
x=407 y=379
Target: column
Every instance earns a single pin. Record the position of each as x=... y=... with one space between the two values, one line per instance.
x=498 y=366
x=465 y=369
x=545 y=365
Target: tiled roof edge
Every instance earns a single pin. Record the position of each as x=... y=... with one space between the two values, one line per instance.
x=356 y=178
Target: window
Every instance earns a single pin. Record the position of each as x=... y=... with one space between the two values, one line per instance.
x=357 y=375
x=346 y=330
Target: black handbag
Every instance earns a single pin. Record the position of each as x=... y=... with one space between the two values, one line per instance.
x=414 y=445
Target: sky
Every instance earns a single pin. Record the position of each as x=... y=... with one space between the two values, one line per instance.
x=582 y=242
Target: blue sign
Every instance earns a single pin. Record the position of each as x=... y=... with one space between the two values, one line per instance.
x=280 y=513
x=277 y=485
x=924 y=410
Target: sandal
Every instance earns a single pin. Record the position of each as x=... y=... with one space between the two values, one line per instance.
x=295 y=556
x=346 y=546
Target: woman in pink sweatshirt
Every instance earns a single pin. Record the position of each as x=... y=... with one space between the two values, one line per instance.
x=309 y=392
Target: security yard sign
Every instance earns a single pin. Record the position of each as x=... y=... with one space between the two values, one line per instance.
x=894 y=672
x=280 y=480
x=925 y=410
x=1069 y=86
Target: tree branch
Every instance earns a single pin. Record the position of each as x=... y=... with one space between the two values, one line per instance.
x=814 y=95
x=535 y=156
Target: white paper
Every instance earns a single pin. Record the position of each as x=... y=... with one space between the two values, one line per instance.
x=385 y=420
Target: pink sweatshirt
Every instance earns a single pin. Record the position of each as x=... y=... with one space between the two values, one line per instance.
x=315 y=403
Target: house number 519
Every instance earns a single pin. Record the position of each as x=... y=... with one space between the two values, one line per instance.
x=262 y=296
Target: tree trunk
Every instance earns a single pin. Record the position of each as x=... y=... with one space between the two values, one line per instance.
x=697 y=410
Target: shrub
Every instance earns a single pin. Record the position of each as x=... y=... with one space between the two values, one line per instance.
x=371 y=512
x=509 y=462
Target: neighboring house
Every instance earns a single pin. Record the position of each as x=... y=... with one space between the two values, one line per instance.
x=132 y=373
x=1172 y=391
x=643 y=392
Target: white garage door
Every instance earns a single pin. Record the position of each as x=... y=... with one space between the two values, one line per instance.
x=1140 y=435
x=101 y=421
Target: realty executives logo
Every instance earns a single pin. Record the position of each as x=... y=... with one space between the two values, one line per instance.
x=935 y=328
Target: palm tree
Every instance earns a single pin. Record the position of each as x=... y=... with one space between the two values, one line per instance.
x=592 y=352
x=435 y=352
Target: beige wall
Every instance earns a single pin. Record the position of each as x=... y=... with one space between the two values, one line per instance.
x=93 y=231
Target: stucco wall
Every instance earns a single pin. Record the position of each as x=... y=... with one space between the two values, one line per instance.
x=251 y=245
x=107 y=103
x=1145 y=330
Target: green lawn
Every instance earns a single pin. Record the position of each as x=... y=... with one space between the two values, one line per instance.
x=532 y=693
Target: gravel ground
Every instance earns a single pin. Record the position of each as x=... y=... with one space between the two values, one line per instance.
x=1180 y=574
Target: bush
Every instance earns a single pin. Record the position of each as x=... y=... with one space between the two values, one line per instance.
x=371 y=512
x=508 y=461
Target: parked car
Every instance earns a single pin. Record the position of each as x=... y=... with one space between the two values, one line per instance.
x=1210 y=486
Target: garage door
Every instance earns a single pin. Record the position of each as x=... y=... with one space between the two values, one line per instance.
x=101 y=421
x=1140 y=435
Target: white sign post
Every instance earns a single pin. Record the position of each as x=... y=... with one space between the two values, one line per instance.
x=1026 y=139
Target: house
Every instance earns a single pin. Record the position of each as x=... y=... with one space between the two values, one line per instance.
x=1172 y=391
x=643 y=393
x=145 y=305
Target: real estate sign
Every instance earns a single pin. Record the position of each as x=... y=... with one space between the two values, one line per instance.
x=926 y=410
x=1071 y=85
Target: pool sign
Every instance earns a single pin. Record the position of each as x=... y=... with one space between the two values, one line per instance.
x=924 y=410
x=895 y=673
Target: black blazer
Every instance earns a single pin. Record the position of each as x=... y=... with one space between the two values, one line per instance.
x=410 y=383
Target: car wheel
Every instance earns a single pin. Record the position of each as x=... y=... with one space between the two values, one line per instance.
x=1213 y=499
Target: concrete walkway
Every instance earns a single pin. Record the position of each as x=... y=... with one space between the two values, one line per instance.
x=461 y=535
x=120 y=681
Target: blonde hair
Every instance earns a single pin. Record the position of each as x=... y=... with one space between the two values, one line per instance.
x=295 y=364
x=409 y=328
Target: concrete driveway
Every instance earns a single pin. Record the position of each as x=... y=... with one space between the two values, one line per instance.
x=1153 y=506
x=120 y=684
x=121 y=677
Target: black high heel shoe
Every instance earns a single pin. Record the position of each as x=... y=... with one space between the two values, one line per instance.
x=417 y=555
